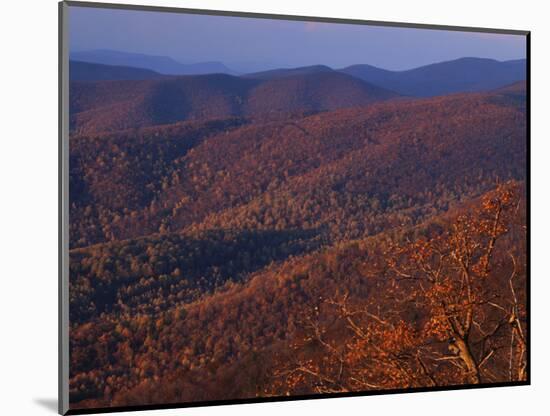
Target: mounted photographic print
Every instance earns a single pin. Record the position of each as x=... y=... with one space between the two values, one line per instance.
x=264 y=207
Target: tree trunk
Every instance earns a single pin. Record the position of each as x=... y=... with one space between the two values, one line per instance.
x=466 y=355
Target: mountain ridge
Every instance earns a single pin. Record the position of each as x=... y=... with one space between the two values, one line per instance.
x=161 y=64
x=87 y=71
x=116 y=105
x=460 y=75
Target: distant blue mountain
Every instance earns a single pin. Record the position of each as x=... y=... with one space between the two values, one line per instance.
x=161 y=64
x=86 y=71
x=460 y=75
x=288 y=72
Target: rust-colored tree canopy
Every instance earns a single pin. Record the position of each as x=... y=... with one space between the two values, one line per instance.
x=234 y=238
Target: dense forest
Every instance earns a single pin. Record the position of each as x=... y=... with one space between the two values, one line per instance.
x=292 y=233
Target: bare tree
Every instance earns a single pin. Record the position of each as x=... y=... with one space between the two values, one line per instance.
x=443 y=310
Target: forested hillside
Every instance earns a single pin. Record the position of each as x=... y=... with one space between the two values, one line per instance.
x=116 y=105
x=292 y=233
x=280 y=330
x=349 y=172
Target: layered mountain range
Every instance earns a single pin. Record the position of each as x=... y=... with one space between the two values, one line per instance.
x=139 y=97
x=209 y=212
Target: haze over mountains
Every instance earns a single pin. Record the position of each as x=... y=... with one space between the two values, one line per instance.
x=460 y=75
x=119 y=97
x=87 y=71
x=287 y=72
x=161 y=64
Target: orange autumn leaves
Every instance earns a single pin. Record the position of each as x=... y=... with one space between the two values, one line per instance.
x=448 y=314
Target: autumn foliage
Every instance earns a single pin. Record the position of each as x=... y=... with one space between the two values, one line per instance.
x=225 y=252
x=453 y=312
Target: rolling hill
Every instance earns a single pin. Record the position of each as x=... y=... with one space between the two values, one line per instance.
x=312 y=91
x=460 y=75
x=225 y=230
x=85 y=71
x=366 y=167
x=117 y=105
x=155 y=300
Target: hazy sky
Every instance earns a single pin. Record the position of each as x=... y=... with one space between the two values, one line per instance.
x=245 y=42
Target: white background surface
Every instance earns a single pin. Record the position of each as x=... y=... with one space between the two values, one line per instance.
x=28 y=228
